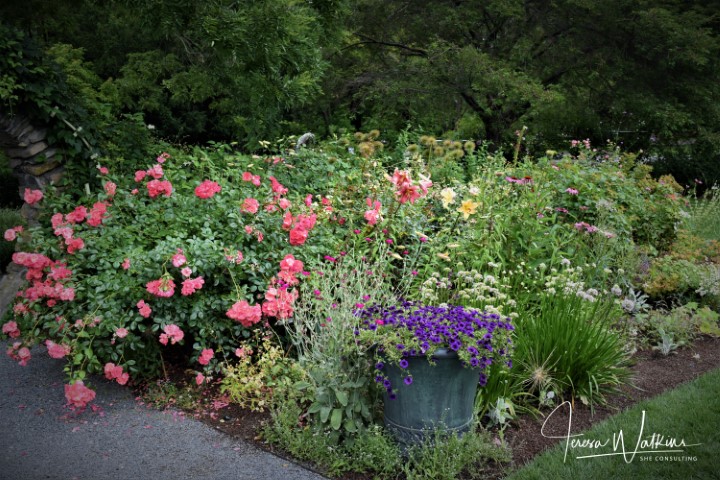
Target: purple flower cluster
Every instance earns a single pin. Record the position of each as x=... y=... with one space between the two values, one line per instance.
x=412 y=329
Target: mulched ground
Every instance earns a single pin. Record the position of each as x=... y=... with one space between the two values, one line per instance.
x=652 y=375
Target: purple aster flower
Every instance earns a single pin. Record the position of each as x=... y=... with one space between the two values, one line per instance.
x=408 y=380
x=403 y=363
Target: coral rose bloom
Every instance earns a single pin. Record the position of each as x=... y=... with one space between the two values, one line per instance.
x=78 y=395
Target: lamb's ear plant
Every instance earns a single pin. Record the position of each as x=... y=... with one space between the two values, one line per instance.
x=339 y=369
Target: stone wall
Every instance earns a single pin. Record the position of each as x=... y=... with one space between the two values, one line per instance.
x=34 y=162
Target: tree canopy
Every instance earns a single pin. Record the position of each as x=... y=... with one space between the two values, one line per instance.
x=640 y=73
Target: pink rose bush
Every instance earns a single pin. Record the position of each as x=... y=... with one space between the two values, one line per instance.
x=150 y=257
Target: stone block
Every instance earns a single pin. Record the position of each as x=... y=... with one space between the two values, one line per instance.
x=17 y=125
x=41 y=168
x=43 y=157
x=33 y=135
x=27 y=152
x=53 y=177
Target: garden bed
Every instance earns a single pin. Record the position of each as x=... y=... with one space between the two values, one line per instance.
x=652 y=374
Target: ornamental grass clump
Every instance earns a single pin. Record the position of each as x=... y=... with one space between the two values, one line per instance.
x=411 y=329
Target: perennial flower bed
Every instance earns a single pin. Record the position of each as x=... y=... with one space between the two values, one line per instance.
x=280 y=276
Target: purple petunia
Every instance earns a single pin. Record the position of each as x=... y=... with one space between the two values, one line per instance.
x=413 y=329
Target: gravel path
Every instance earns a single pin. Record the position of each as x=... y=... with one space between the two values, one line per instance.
x=41 y=439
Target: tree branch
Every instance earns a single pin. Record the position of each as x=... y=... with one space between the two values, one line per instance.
x=418 y=52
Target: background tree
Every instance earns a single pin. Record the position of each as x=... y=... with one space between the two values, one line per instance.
x=641 y=73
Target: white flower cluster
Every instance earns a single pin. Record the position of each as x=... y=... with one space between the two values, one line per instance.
x=468 y=288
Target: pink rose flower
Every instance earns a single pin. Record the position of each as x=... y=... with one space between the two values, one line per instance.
x=243 y=352
x=32 y=196
x=298 y=236
x=11 y=329
x=173 y=333
x=157 y=187
x=250 y=205
x=244 y=313
x=78 y=395
x=178 y=260
x=190 y=285
x=55 y=350
x=97 y=214
x=126 y=264
x=306 y=222
x=207 y=189
x=110 y=188
x=205 y=356
x=163 y=287
x=291 y=264
x=74 y=245
x=121 y=332
x=115 y=372
x=156 y=171
x=24 y=356
x=249 y=177
x=144 y=309
x=277 y=186
x=78 y=215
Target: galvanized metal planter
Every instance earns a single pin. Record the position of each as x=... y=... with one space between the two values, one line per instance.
x=441 y=396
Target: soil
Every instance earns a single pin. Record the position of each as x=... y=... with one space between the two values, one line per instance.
x=652 y=374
